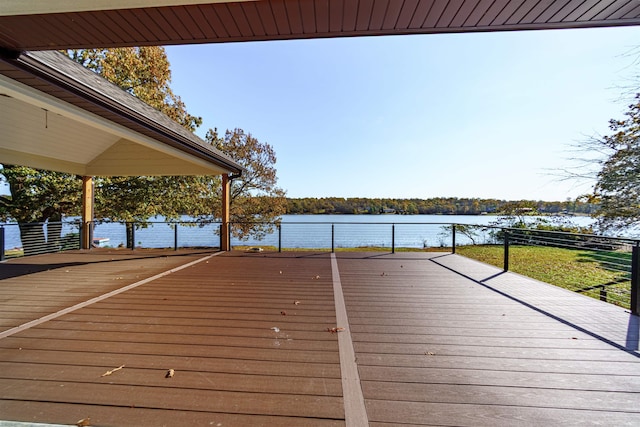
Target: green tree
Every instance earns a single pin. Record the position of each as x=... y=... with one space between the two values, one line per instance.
x=617 y=188
x=144 y=72
x=36 y=197
x=256 y=201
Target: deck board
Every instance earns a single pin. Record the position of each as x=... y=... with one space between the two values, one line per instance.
x=213 y=324
x=438 y=340
x=435 y=346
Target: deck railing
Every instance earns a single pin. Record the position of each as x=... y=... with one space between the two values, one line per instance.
x=603 y=267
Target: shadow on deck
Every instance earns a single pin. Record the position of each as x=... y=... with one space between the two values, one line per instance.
x=437 y=340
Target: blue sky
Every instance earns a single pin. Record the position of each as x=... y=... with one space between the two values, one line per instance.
x=487 y=115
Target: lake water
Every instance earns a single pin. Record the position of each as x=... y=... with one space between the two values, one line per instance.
x=305 y=231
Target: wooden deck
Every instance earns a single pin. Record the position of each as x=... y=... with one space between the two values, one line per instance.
x=429 y=339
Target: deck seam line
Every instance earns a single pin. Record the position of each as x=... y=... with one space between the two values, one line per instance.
x=355 y=410
x=99 y=298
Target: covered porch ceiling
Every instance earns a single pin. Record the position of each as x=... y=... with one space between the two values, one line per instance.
x=61 y=24
x=57 y=115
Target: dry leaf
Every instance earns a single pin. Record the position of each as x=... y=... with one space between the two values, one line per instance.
x=296 y=302
x=430 y=353
x=284 y=313
x=84 y=422
x=317 y=277
x=170 y=373
x=112 y=371
x=275 y=329
x=335 y=330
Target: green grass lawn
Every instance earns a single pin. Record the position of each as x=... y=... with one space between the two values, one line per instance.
x=578 y=270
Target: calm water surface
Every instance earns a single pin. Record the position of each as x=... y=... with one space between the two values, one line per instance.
x=307 y=231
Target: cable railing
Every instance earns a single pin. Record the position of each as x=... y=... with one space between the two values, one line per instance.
x=35 y=238
x=602 y=267
x=606 y=268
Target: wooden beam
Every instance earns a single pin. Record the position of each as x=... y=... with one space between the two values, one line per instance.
x=87 y=212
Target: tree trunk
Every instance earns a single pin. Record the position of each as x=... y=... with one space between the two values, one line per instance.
x=33 y=239
x=130 y=242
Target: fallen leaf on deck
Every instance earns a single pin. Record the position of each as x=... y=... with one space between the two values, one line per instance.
x=84 y=422
x=296 y=302
x=335 y=330
x=275 y=329
x=284 y=313
x=280 y=271
x=112 y=371
x=430 y=353
x=317 y=277
x=170 y=373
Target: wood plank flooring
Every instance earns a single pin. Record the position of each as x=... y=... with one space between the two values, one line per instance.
x=435 y=347
x=438 y=340
x=243 y=352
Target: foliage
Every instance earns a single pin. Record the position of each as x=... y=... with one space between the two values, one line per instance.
x=143 y=72
x=524 y=215
x=618 y=182
x=471 y=232
x=256 y=201
x=37 y=196
x=432 y=206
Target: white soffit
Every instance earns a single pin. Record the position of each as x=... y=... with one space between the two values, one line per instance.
x=42 y=131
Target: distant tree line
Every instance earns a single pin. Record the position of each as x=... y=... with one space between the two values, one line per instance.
x=432 y=206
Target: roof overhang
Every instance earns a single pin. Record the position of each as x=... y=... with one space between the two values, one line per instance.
x=62 y=24
x=56 y=115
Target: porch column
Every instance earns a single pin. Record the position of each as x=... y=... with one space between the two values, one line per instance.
x=225 y=237
x=87 y=212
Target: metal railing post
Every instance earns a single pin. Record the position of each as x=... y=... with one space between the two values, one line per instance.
x=80 y=234
x=453 y=238
x=332 y=238
x=393 y=238
x=220 y=233
x=1 y=243
x=603 y=293
x=506 y=250
x=635 y=279
x=175 y=237
x=279 y=237
x=91 y=225
x=133 y=236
